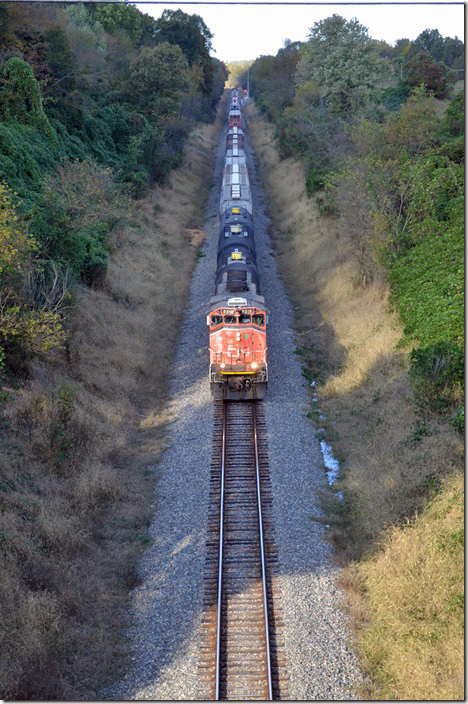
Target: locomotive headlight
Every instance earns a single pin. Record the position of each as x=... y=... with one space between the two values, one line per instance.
x=222 y=365
x=254 y=365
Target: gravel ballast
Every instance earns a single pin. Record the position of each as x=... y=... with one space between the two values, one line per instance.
x=167 y=607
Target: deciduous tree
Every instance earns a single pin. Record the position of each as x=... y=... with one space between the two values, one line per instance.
x=341 y=58
x=158 y=80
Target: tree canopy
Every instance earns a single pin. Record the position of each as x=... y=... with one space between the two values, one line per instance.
x=341 y=58
x=158 y=79
x=189 y=32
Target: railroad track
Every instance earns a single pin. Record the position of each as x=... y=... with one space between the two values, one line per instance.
x=240 y=654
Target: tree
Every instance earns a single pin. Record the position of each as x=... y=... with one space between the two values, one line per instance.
x=455 y=116
x=158 y=80
x=454 y=53
x=445 y=49
x=91 y=30
x=61 y=61
x=187 y=31
x=432 y=42
x=435 y=76
x=117 y=18
x=341 y=58
x=190 y=33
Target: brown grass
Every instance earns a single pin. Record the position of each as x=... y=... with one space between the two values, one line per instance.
x=393 y=457
x=414 y=638
x=77 y=442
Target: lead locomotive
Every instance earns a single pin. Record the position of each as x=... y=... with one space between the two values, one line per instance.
x=237 y=315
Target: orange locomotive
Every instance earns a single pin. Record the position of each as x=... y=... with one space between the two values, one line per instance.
x=238 y=348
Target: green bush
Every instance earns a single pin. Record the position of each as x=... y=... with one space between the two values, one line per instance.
x=315 y=180
x=437 y=371
x=21 y=99
x=25 y=156
x=428 y=284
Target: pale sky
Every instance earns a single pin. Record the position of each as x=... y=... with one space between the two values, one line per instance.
x=245 y=32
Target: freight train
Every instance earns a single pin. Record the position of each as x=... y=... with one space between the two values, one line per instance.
x=237 y=315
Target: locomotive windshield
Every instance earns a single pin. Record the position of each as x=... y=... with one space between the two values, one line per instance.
x=244 y=319
x=230 y=319
x=216 y=319
x=258 y=319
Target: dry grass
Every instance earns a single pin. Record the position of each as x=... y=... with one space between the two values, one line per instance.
x=77 y=441
x=392 y=456
x=414 y=640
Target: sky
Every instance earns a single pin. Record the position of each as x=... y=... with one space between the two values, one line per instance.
x=242 y=32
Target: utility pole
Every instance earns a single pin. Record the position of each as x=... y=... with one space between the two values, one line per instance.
x=248 y=83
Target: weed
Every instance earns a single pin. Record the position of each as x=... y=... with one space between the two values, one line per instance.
x=143 y=539
x=164 y=247
x=200 y=254
x=374 y=424
x=431 y=485
x=308 y=374
x=458 y=420
x=66 y=509
x=415 y=605
x=421 y=431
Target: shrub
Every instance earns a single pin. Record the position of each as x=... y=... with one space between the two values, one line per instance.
x=24 y=329
x=428 y=286
x=79 y=206
x=25 y=157
x=459 y=419
x=315 y=180
x=20 y=97
x=437 y=370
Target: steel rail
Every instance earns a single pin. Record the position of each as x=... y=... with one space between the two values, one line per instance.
x=220 y=562
x=262 y=554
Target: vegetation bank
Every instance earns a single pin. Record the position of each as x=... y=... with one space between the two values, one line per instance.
x=105 y=173
x=366 y=198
